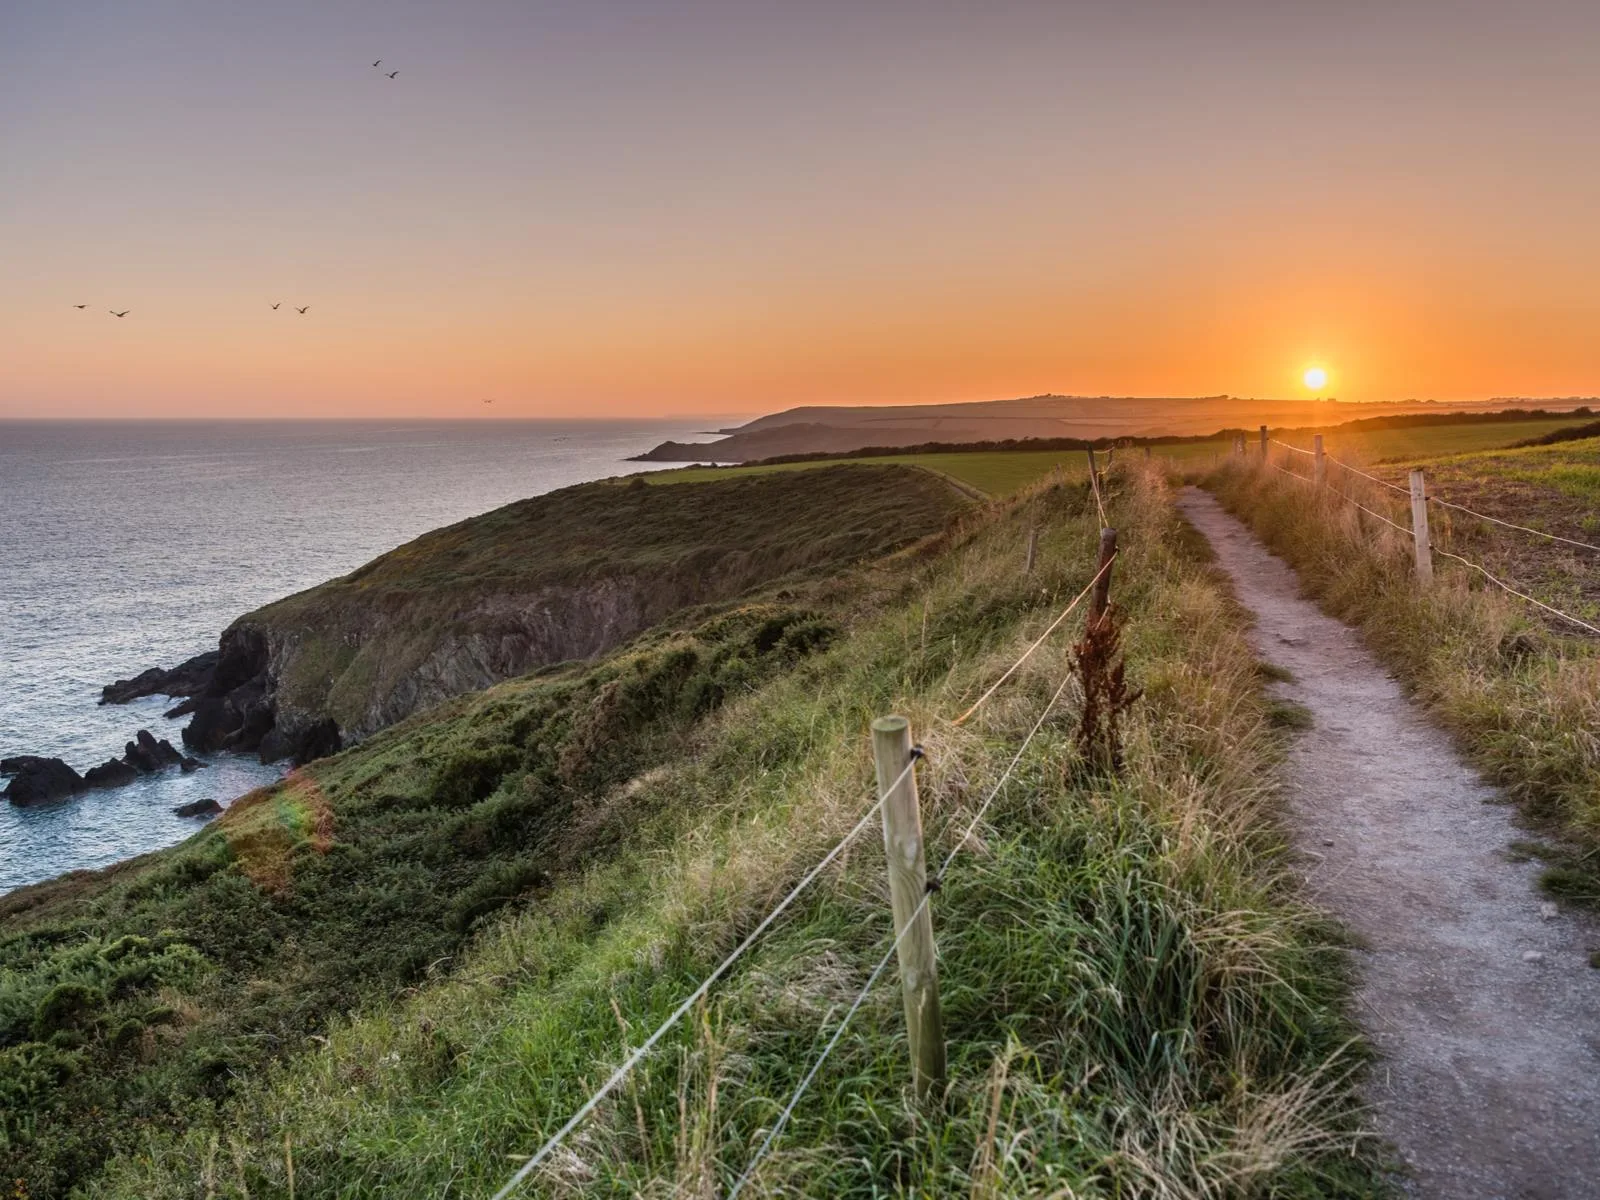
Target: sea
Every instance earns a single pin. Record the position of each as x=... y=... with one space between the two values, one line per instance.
x=126 y=545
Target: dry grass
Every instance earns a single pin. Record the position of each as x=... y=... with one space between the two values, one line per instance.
x=1522 y=696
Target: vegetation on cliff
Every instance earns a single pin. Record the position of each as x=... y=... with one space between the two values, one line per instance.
x=559 y=577
x=132 y=999
x=1134 y=1001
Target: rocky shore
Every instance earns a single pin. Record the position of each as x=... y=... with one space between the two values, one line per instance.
x=38 y=780
x=229 y=695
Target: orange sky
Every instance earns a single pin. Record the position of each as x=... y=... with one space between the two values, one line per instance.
x=637 y=209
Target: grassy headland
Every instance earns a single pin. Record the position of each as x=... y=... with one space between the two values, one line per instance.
x=565 y=576
x=1135 y=1002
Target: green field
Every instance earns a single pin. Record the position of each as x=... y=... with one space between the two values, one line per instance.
x=1379 y=444
x=1002 y=472
x=994 y=472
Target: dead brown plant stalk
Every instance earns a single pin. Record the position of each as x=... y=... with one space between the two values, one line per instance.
x=1101 y=672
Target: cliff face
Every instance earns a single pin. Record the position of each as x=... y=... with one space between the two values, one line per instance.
x=559 y=577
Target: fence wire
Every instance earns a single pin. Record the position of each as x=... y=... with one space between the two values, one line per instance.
x=788 y=1110
x=1482 y=570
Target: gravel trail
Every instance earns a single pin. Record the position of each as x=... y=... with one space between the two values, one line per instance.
x=1476 y=993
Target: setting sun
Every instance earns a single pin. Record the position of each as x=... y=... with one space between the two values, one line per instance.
x=1315 y=378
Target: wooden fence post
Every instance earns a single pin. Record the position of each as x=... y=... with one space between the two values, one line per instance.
x=1094 y=470
x=1319 y=464
x=1100 y=598
x=1033 y=549
x=908 y=887
x=1419 y=526
x=1263 y=443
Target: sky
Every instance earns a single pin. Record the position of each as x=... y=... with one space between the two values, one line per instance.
x=650 y=208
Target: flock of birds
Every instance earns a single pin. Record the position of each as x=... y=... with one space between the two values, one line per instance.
x=126 y=311
x=376 y=63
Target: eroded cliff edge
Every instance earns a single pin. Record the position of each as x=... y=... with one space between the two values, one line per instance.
x=564 y=576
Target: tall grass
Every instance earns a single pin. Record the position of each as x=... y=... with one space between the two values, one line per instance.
x=1522 y=699
x=1134 y=1002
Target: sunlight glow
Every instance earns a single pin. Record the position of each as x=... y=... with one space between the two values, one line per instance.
x=1316 y=378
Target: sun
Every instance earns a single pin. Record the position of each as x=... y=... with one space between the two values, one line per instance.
x=1316 y=378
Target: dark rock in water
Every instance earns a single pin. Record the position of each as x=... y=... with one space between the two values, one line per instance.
x=185 y=679
x=114 y=772
x=142 y=684
x=190 y=764
x=23 y=763
x=198 y=808
x=181 y=710
x=37 y=780
x=161 y=750
x=148 y=755
x=140 y=759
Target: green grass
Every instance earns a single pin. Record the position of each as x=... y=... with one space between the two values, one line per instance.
x=334 y=890
x=1381 y=445
x=1135 y=1003
x=994 y=472
x=1580 y=480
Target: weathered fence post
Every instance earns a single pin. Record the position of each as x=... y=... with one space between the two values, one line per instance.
x=1419 y=526
x=1094 y=470
x=1033 y=549
x=908 y=887
x=1100 y=598
x=1319 y=464
x=1263 y=443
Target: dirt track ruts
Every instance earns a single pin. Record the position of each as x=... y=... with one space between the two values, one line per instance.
x=1476 y=994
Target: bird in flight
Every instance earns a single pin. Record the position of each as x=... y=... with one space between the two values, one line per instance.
x=275 y=306
x=115 y=313
x=302 y=311
x=488 y=401
x=80 y=306
x=377 y=61
x=392 y=74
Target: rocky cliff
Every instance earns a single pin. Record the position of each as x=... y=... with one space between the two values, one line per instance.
x=564 y=576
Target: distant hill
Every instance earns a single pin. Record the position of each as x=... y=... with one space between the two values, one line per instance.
x=823 y=429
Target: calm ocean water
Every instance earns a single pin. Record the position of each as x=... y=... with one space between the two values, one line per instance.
x=129 y=545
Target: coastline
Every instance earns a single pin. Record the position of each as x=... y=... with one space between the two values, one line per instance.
x=135 y=543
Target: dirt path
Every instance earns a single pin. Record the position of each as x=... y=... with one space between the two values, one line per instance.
x=1477 y=995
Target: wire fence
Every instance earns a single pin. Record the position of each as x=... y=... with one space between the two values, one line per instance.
x=1411 y=532
x=694 y=997
x=555 y=1140
x=877 y=971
